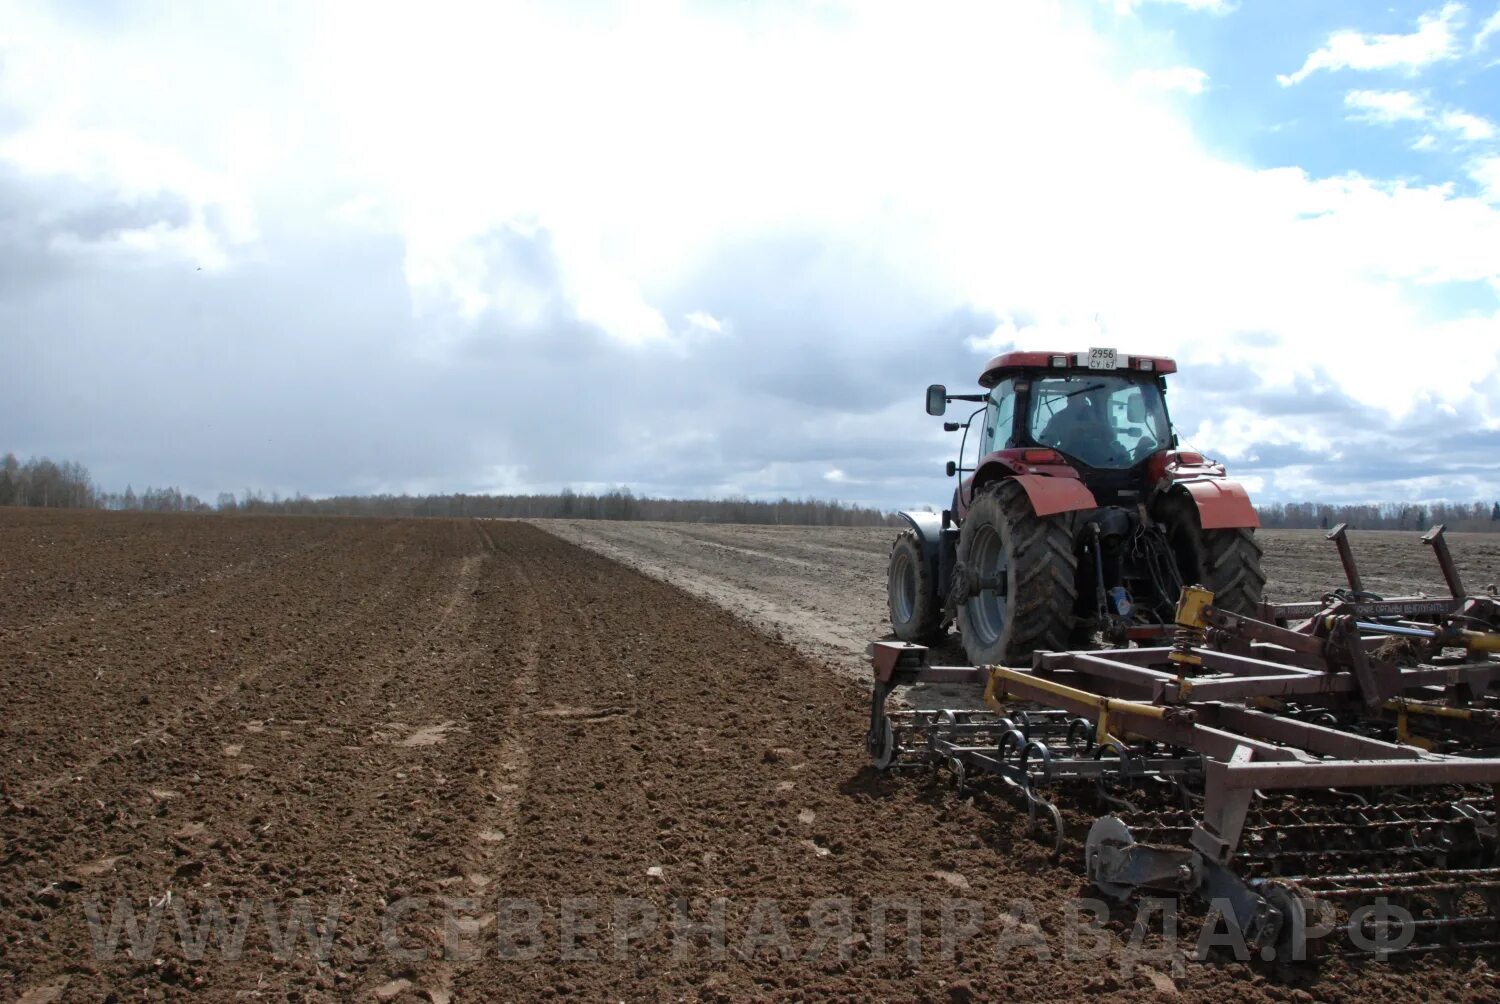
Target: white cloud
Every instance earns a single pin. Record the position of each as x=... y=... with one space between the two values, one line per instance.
x=1186 y=79
x=1393 y=107
x=1435 y=39
x=703 y=321
x=1468 y=127
x=1386 y=107
x=1486 y=173
x=131 y=168
x=1487 y=30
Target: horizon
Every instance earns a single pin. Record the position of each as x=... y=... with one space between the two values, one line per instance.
x=127 y=499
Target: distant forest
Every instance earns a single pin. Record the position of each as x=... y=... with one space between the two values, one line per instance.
x=620 y=503
x=1386 y=516
x=42 y=482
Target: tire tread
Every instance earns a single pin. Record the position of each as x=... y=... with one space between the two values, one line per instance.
x=927 y=614
x=1044 y=588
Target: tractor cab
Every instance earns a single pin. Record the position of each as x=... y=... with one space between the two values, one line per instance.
x=1104 y=415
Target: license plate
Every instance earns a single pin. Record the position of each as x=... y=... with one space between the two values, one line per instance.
x=1101 y=359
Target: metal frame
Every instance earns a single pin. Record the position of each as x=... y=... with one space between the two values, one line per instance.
x=1239 y=714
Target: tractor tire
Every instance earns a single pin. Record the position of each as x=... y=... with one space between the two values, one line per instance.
x=911 y=594
x=1003 y=539
x=1225 y=562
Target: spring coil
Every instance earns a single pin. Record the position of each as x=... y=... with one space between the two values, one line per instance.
x=1184 y=640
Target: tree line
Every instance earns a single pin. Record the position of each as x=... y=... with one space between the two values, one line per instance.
x=41 y=482
x=45 y=483
x=618 y=504
x=1385 y=516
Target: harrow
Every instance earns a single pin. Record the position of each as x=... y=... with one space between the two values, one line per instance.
x=1323 y=773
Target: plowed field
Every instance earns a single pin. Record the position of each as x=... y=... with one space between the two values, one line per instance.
x=456 y=760
x=823 y=588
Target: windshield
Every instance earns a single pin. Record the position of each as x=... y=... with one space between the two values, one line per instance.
x=1104 y=421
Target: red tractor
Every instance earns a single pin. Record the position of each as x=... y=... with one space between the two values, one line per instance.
x=1081 y=515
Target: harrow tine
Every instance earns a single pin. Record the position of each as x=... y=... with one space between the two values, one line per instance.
x=1434 y=538
x=1340 y=537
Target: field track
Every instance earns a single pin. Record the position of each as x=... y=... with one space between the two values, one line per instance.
x=432 y=723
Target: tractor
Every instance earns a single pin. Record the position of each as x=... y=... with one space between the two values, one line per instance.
x=1080 y=518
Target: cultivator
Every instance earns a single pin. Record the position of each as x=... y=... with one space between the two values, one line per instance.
x=1323 y=773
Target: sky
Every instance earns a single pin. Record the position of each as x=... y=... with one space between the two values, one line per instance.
x=721 y=249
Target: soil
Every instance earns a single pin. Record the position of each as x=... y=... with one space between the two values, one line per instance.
x=447 y=728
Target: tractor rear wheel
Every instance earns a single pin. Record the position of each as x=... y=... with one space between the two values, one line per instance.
x=1225 y=562
x=912 y=596
x=1014 y=580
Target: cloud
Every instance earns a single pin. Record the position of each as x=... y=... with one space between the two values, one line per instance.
x=559 y=250
x=1435 y=39
x=1386 y=107
x=1393 y=107
x=1485 y=172
x=1437 y=452
x=1486 y=31
x=703 y=321
x=1466 y=126
x=1185 y=79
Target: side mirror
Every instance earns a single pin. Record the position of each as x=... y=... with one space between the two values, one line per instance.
x=952 y=468
x=937 y=399
x=1135 y=410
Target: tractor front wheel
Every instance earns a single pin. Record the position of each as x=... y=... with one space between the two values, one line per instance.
x=1014 y=579
x=911 y=594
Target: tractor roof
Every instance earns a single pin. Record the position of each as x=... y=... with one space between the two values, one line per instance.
x=1010 y=362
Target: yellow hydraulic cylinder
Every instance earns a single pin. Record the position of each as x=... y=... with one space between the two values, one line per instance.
x=1190 y=624
x=994 y=694
x=1404 y=707
x=1481 y=641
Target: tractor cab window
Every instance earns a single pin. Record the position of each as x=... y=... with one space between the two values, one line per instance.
x=1105 y=421
x=1000 y=418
